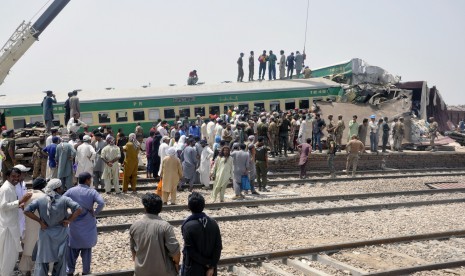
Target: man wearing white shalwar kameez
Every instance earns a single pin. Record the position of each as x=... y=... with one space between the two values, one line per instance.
x=164 y=146
x=205 y=162
x=10 y=244
x=85 y=156
x=110 y=156
x=21 y=190
x=211 y=133
x=305 y=130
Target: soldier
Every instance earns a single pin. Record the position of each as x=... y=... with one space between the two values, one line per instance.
x=338 y=131
x=262 y=130
x=8 y=148
x=331 y=154
x=39 y=158
x=398 y=133
x=273 y=135
x=331 y=127
x=432 y=132
x=354 y=148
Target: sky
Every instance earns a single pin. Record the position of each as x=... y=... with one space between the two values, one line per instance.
x=94 y=44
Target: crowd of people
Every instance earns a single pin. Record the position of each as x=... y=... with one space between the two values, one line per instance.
x=38 y=224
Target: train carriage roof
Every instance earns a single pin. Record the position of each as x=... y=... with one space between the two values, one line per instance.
x=104 y=95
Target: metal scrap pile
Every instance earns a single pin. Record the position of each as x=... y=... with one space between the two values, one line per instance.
x=457 y=136
x=25 y=139
x=418 y=130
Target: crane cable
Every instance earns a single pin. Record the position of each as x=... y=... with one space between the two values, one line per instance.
x=306 y=27
x=30 y=20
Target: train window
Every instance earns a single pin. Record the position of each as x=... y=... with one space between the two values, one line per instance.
x=275 y=106
x=259 y=107
x=121 y=116
x=200 y=110
x=139 y=115
x=228 y=107
x=35 y=119
x=103 y=117
x=154 y=114
x=243 y=106
x=185 y=112
x=19 y=123
x=304 y=104
x=289 y=104
x=169 y=113
x=214 y=109
x=87 y=118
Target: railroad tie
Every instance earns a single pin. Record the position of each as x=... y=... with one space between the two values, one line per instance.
x=274 y=269
x=242 y=271
x=327 y=260
x=305 y=268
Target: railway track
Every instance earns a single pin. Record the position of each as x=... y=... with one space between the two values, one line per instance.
x=301 y=261
x=293 y=207
x=149 y=185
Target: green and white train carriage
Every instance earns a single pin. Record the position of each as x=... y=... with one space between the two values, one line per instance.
x=123 y=108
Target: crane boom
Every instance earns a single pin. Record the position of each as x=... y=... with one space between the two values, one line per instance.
x=25 y=35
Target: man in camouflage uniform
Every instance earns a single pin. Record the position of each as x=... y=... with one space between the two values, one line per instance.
x=39 y=158
x=338 y=131
x=432 y=132
x=331 y=127
x=398 y=133
x=8 y=148
x=262 y=130
x=273 y=133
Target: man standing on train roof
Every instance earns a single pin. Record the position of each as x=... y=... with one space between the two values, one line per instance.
x=282 y=65
x=251 y=66
x=290 y=65
x=272 y=66
x=47 y=105
x=74 y=104
x=299 y=62
x=262 y=66
x=67 y=109
x=193 y=78
x=240 y=63
x=8 y=147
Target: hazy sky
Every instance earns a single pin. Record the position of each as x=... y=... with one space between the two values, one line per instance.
x=122 y=44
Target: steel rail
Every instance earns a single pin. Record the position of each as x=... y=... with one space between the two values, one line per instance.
x=308 y=212
x=413 y=269
x=265 y=256
x=324 y=180
x=276 y=201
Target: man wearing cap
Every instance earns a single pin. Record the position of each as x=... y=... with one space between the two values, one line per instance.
x=31 y=233
x=205 y=162
x=83 y=231
x=110 y=156
x=432 y=132
x=10 y=244
x=373 y=125
x=171 y=174
x=39 y=158
x=47 y=105
x=65 y=154
x=21 y=190
x=8 y=147
x=164 y=146
x=51 y=151
x=273 y=134
x=85 y=155
x=54 y=220
x=398 y=133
